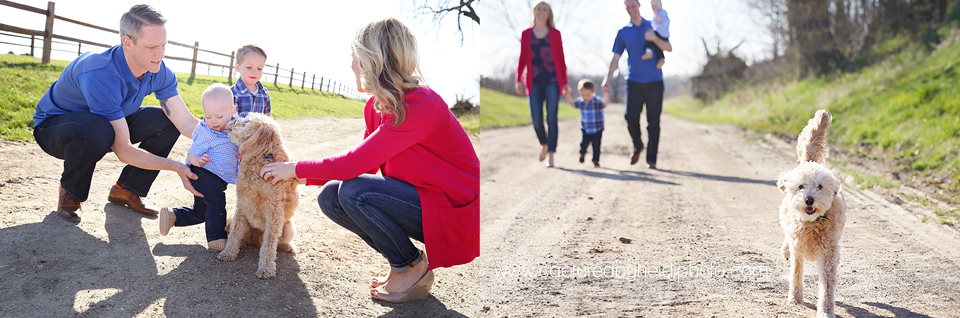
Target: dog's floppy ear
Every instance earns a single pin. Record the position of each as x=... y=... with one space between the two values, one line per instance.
x=782 y=181
x=263 y=138
x=253 y=140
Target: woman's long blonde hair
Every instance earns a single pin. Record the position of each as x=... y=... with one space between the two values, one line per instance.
x=533 y=11
x=389 y=64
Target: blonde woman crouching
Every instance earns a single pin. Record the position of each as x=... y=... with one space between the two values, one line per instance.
x=429 y=183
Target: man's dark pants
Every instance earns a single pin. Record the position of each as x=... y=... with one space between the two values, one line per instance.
x=650 y=94
x=81 y=139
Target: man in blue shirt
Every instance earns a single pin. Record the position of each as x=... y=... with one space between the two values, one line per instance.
x=94 y=108
x=644 y=80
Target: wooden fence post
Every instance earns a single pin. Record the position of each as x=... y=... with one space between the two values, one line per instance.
x=304 y=80
x=193 y=69
x=32 y=38
x=230 y=76
x=48 y=37
x=79 y=48
x=291 y=78
x=276 y=74
x=321 y=83
x=313 y=81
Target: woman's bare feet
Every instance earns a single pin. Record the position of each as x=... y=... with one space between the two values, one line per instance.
x=543 y=153
x=401 y=282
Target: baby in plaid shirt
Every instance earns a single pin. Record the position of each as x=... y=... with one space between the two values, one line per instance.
x=214 y=159
x=248 y=94
x=591 y=118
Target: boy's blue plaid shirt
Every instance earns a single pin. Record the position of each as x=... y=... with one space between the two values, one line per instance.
x=248 y=102
x=591 y=114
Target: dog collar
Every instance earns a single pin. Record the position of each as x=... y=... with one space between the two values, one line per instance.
x=822 y=218
x=267 y=156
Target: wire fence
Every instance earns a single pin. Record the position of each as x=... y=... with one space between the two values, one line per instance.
x=44 y=41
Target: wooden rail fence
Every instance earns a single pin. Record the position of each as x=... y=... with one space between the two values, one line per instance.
x=48 y=37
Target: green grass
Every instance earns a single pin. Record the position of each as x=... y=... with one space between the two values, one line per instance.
x=23 y=80
x=867 y=181
x=502 y=110
x=905 y=110
x=470 y=122
x=286 y=102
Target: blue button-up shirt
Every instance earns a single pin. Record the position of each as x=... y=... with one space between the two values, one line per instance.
x=631 y=39
x=101 y=83
x=591 y=114
x=222 y=152
x=250 y=101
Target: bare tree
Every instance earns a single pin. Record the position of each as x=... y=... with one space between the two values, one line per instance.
x=773 y=15
x=438 y=10
x=833 y=34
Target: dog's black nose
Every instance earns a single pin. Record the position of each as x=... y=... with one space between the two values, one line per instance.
x=809 y=201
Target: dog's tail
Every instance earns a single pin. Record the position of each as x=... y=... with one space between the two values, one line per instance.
x=812 y=142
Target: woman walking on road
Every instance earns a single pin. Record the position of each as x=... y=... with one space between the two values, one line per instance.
x=541 y=54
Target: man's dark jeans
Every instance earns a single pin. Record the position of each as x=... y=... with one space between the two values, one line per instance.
x=81 y=139
x=650 y=94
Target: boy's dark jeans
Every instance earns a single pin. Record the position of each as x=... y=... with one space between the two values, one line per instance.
x=587 y=140
x=81 y=139
x=211 y=209
x=650 y=94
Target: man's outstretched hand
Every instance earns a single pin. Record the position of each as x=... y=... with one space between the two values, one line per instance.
x=185 y=176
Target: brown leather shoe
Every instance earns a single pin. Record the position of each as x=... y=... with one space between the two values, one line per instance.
x=125 y=197
x=636 y=156
x=68 y=207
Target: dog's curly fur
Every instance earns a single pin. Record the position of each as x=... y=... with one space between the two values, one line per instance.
x=264 y=210
x=812 y=215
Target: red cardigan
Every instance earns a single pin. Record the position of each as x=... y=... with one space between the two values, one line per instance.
x=526 y=58
x=429 y=150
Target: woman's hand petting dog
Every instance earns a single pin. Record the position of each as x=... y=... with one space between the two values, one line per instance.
x=279 y=171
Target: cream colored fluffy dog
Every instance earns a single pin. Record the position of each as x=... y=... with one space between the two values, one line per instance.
x=812 y=215
x=264 y=210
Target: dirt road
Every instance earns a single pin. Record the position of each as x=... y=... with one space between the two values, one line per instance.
x=704 y=233
x=116 y=264
x=704 y=239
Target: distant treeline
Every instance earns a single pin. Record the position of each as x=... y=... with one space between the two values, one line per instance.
x=831 y=35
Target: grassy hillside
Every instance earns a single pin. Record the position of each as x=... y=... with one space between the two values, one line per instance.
x=904 y=110
x=502 y=110
x=23 y=80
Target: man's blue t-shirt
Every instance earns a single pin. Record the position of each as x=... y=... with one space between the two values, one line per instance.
x=101 y=83
x=631 y=39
